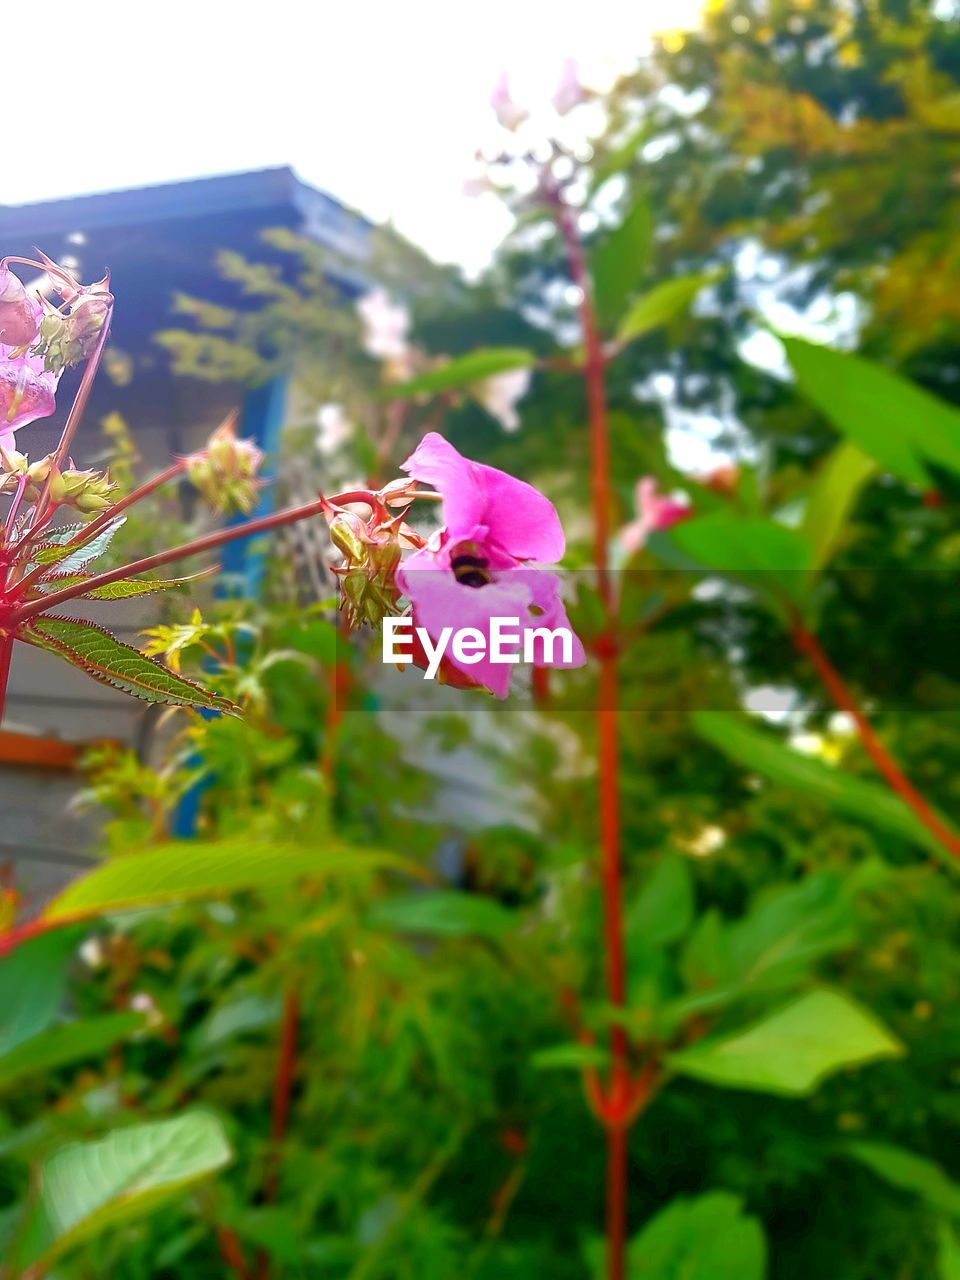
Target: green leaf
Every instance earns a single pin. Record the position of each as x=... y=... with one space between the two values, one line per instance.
x=661 y=304
x=908 y=1172
x=188 y=869
x=32 y=981
x=234 y=1018
x=72 y=559
x=832 y=498
x=619 y=261
x=569 y=1057
x=890 y=418
x=69 y=1042
x=94 y=651
x=792 y=1050
x=948 y=1252
x=774 y=946
x=764 y=553
x=89 y=1186
x=662 y=911
x=445 y=913
x=707 y=1238
x=464 y=371
x=759 y=750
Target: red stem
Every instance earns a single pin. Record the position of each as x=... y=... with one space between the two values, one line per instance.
x=608 y=746
x=6 y=653
x=808 y=644
x=280 y=1113
x=282 y=1089
x=207 y=543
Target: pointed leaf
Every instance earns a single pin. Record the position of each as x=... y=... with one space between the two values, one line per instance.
x=792 y=1050
x=445 y=913
x=619 y=261
x=32 y=981
x=196 y=869
x=663 y=303
x=890 y=418
x=124 y=588
x=464 y=371
x=832 y=498
x=93 y=650
x=868 y=801
x=66 y=1043
x=909 y=1172
x=662 y=911
x=569 y=1057
x=72 y=559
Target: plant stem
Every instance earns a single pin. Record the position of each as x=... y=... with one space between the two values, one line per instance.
x=808 y=644
x=6 y=653
x=282 y=1092
x=175 y=469
x=282 y=1089
x=74 y=416
x=208 y=542
x=608 y=763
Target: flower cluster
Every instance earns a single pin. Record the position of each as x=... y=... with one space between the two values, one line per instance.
x=39 y=339
x=225 y=471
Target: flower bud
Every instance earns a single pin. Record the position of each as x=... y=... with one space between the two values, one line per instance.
x=226 y=471
x=368 y=577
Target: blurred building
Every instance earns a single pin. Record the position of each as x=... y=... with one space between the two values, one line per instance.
x=157 y=242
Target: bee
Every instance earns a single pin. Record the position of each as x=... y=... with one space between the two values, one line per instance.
x=469 y=567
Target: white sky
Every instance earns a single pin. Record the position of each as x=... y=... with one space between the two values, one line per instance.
x=381 y=104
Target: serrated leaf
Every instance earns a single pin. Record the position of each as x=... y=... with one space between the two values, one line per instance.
x=87 y=1187
x=195 y=869
x=72 y=559
x=661 y=304
x=444 y=913
x=93 y=650
x=869 y=801
x=66 y=1043
x=123 y=588
x=619 y=261
x=464 y=371
x=792 y=1050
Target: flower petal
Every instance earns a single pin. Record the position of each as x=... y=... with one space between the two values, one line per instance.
x=436 y=462
x=520 y=519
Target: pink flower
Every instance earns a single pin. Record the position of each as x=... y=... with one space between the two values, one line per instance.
x=479 y=566
x=509 y=113
x=655 y=512
x=27 y=391
x=19 y=317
